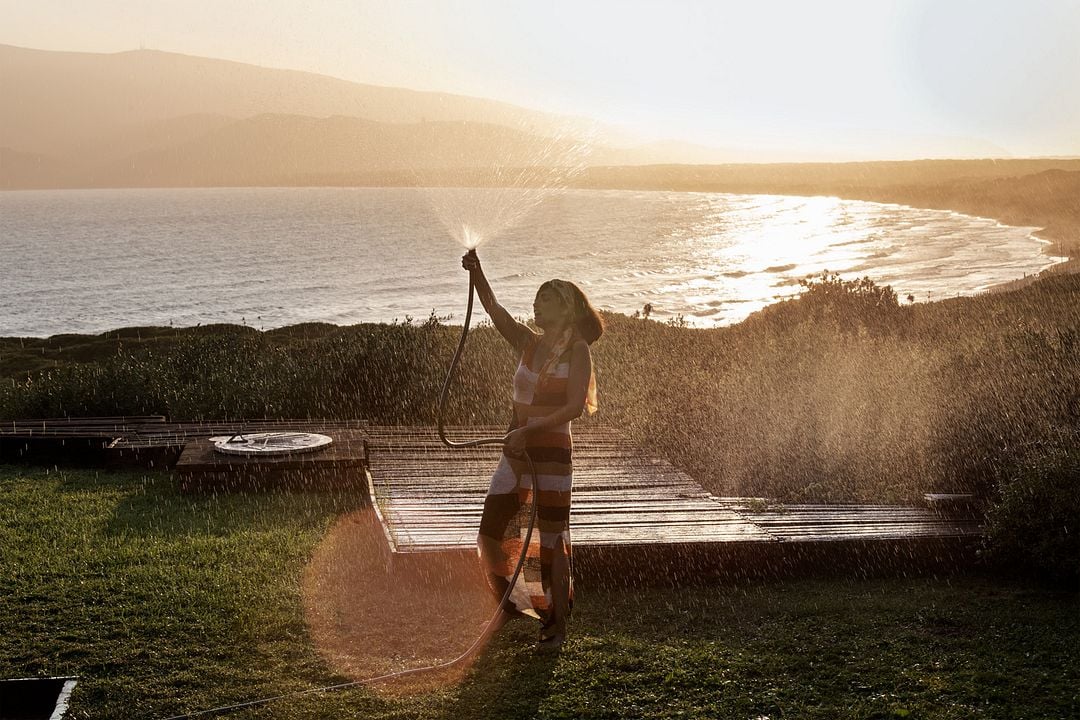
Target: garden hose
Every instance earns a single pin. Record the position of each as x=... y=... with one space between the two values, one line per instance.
x=490 y=628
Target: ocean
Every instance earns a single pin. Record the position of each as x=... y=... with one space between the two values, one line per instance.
x=87 y=261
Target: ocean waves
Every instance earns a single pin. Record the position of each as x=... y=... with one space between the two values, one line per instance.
x=88 y=261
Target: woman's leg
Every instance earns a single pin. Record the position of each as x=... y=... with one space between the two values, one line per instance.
x=560 y=589
x=499 y=530
x=498 y=566
x=553 y=521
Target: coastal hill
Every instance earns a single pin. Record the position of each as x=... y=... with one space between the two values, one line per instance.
x=1036 y=192
x=147 y=117
x=283 y=150
x=151 y=118
x=66 y=99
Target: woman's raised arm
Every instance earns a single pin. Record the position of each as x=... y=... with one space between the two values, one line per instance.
x=515 y=333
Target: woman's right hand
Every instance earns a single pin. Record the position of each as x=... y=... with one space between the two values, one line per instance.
x=470 y=261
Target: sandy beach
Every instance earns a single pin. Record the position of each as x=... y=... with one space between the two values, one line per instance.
x=1038 y=192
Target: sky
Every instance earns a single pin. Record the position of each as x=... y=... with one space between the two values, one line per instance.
x=825 y=79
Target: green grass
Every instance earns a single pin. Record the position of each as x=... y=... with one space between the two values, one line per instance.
x=163 y=604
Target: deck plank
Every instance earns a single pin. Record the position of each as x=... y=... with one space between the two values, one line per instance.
x=430 y=498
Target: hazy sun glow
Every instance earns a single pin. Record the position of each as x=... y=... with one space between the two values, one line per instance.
x=765 y=81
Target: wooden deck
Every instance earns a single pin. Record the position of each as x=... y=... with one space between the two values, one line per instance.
x=60 y=440
x=201 y=468
x=132 y=441
x=430 y=497
x=627 y=504
x=830 y=523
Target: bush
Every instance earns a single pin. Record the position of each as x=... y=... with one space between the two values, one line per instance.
x=856 y=306
x=382 y=373
x=1035 y=524
x=841 y=395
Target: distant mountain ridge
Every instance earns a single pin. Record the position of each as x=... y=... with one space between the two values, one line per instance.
x=147 y=117
x=300 y=150
x=141 y=86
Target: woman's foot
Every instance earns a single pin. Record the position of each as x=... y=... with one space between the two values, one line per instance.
x=550 y=645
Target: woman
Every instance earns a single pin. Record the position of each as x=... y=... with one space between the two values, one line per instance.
x=553 y=385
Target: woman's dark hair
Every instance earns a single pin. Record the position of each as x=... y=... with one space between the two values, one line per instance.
x=583 y=315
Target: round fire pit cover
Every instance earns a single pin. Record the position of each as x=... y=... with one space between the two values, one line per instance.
x=265 y=444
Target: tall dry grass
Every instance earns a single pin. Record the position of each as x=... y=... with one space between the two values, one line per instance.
x=844 y=394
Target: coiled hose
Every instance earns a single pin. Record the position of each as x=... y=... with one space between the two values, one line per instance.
x=491 y=626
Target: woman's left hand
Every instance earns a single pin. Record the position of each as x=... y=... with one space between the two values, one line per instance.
x=515 y=440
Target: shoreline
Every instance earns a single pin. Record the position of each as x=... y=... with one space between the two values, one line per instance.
x=1040 y=201
x=1030 y=192
x=1045 y=197
x=1061 y=236
x=1035 y=193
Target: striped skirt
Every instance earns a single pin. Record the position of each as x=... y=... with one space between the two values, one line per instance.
x=505 y=523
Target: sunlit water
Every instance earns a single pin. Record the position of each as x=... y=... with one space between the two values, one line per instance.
x=91 y=260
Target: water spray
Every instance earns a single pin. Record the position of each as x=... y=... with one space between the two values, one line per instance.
x=516 y=186
x=492 y=624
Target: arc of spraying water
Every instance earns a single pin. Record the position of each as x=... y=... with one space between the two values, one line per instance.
x=489 y=629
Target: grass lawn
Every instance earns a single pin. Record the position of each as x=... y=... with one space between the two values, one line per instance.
x=164 y=604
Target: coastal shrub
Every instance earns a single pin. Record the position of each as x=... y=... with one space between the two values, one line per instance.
x=810 y=412
x=796 y=405
x=382 y=373
x=835 y=418
x=1013 y=390
x=800 y=402
x=1035 y=524
x=857 y=305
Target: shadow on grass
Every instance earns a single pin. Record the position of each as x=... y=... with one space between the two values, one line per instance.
x=148 y=503
x=156 y=508
x=508 y=681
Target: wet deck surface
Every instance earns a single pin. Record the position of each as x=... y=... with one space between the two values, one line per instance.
x=430 y=498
